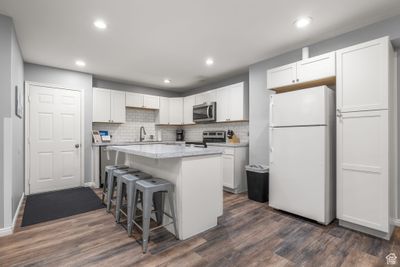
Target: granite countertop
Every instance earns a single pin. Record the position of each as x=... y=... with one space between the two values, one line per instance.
x=164 y=151
x=244 y=144
x=128 y=143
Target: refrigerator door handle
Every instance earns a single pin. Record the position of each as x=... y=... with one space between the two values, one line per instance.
x=271 y=110
x=271 y=149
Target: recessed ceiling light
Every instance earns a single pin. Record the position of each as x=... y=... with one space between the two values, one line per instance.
x=209 y=61
x=80 y=63
x=167 y=81
x=100 y=24
x=303 y=22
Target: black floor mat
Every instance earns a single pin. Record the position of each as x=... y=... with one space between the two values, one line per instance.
x=59 y=204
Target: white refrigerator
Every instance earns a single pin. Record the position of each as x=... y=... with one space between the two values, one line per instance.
x=302 y=153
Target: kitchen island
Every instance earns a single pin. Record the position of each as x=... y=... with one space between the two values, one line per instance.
x=197 y=175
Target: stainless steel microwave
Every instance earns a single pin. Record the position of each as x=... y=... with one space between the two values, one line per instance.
x=206 y=112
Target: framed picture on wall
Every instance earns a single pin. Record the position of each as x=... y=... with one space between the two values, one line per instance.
x=19 y=102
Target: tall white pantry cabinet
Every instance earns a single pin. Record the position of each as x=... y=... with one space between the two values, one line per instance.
x=366 y=131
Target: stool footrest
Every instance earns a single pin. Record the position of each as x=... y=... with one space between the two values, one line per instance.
x=154 y=228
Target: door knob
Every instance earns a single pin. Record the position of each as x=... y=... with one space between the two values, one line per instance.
x=76 y=145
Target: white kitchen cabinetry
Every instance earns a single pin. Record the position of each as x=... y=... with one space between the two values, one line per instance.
x=281 y=76
x=108 y=105
x=163 y=112
x=234 y=160
x=363 y=76
x=366 y=151
x=151 y=102
x=136 y=100
x=232 y=103
x=209 y=96
x=188 y=103
x=176 y=110
x=315 y=68
x=118 y=110
x=306 y=70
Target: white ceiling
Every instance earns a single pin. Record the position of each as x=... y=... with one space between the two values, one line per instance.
x=147 y=41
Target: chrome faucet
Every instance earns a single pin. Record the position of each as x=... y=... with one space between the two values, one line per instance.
x=142 y=135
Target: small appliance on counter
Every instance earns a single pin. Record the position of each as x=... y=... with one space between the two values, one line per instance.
x=232 y=137
x=180 y=135
x=96 y=137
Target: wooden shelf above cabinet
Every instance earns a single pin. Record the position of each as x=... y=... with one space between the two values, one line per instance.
x=298 y=86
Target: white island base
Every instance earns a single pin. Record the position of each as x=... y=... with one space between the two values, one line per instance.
x=198 y=189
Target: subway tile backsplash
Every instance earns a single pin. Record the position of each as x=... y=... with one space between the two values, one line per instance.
x=135 y=118
x=129 y=131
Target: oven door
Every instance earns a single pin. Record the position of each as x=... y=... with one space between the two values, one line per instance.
x=204 y=112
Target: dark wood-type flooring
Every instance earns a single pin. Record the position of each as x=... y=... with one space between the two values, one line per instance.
x=248 y=234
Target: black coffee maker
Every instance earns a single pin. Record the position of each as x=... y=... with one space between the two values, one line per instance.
x=180 y=135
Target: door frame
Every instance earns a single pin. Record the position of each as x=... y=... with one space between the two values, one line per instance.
x=28 y=84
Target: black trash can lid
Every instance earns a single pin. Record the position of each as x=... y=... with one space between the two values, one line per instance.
x=257 y=168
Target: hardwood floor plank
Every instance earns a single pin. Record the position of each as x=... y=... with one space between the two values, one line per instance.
x=248 y=234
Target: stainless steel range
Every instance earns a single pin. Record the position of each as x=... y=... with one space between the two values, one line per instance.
x=214 y=136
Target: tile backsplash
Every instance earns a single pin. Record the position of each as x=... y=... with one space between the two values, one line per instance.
x=135 y=118
x=195 y=132
x=130 y=130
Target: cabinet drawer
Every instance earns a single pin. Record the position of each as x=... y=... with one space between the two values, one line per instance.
x=229 y=151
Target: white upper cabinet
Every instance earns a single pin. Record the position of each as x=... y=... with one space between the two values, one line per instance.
x=101 y=105
x=151 y=102
x=108 y=105
x=136 y=100
x=118 y=110
x=281 y=76
x=306 y=70
x=188 y=103
x=163 y=112
x=209 y=96
x=232 y=103
x=316 y=68
x=176 y=110
x=363 y=76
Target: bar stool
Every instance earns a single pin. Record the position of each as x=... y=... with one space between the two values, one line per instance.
x=149 y=187
x=129 y=180
x=112 y=182
x=108 y=173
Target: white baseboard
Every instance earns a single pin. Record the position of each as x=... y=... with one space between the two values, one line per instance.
x=90 y=184
x=10 y=229
x=6 y=231
x=396 y=222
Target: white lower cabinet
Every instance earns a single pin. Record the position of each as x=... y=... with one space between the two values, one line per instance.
x=234 y=160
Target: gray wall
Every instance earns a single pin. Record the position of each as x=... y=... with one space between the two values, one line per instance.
x=5 y=106
x=18 y=160
x=73 y=79
x=259 y=95
x=11 y=75
x=132 y=88
x=244 y=77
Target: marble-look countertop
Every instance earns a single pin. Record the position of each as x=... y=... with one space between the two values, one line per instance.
x=129 y=143
x=164 y=151
x=244 y=144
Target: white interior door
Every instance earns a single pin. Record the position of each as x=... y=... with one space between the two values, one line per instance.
x=362 y=168
x=297 y=175
x=54 y=139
